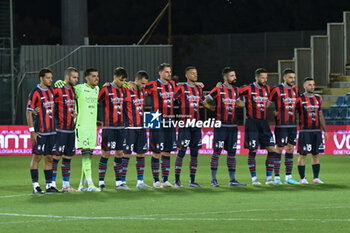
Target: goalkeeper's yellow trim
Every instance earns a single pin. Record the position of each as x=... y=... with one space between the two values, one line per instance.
x=59 y=83
x=126 y=85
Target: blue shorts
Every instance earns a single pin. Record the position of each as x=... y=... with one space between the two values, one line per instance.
x=225 y=138
x=189 y=137
x=46 y=145
x=286 y=135
x=257 y=133
x=136 y=141
x=310 y=142
x=65 y=143
x=113 y=139
x=162 y=140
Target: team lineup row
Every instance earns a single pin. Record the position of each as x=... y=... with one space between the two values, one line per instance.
x=59 y=116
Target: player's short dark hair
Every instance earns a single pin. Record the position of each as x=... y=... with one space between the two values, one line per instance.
x=162 y=66
x=260 y=71
x=44 y=71
x=226 y=70
x=141 y=74
x=188 y=68
x=89 y=71
x=288 y=71
x=308 y=79
x=120 y=72
x=70 y=70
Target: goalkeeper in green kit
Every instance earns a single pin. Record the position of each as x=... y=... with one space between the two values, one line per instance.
x=86 y=129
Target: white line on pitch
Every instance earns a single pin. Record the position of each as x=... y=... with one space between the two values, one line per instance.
x=242 y=211
x=19 y=195
x=173 y=219
x=34 y=221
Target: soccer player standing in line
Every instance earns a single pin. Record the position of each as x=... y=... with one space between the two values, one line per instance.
x=65 y=126
x=311 y=121
x=42 y=129
x=135 y=134
x=86 y=128
x=163 y=140
x=190 y=97
x=284 y=96
x=225 y=137
x=112 y=99
x=257 y=130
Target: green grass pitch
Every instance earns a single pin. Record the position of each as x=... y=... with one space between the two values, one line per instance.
x=302 y=208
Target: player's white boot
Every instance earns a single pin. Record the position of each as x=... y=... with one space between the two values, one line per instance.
x=317 y=181
x=157 y=185
x=142 y=185
x=255 y=181
x=269 y=180
x=167 y=184
x=304 y=181
x=121 y=185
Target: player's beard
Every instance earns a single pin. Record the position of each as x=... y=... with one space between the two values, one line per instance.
x=291 y=84
x=232 y=82
x=261 y=84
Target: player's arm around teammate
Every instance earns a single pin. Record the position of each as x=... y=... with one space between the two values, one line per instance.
x=190 y=96
x=257 y=130
x=112 y=98
x=65 y=119
x=42 y=131
x=135 y=133
x=284 y=96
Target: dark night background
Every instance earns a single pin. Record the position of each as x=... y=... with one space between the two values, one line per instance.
x=208 y=34
x=124 y=21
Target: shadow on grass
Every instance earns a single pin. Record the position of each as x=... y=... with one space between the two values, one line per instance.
x=134 y=194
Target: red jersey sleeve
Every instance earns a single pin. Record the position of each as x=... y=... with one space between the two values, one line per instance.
x=214 y=93
x=102 y=95
x=32 y=100
x=273 y=94
x=244 y=91
x=150 y=87
x=179 y=92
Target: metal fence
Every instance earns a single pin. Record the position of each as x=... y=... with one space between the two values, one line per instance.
x=335 y=32
x=302 y=65
x=284 y=64
x=319 y=60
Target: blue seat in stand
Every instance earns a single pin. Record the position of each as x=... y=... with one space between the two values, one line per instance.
x=326 y=114
x=334 y=114
x=340 y=103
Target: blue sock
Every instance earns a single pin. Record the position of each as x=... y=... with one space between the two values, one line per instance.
x=316 y=170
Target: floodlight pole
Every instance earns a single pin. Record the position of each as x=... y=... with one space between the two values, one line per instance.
x=169 y=22
x=12 y=67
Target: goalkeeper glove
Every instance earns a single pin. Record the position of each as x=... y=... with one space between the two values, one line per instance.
x=126 y=85
x=59 y=84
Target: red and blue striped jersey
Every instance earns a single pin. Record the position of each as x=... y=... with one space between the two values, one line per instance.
x=44 y=121
x=190 y=98
x=64 y=108
x=112 y=99
x=225 y=99
x=162 y=97
x=256 y=99
x=134 y=107
x=285 y=99
x=309 y=108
